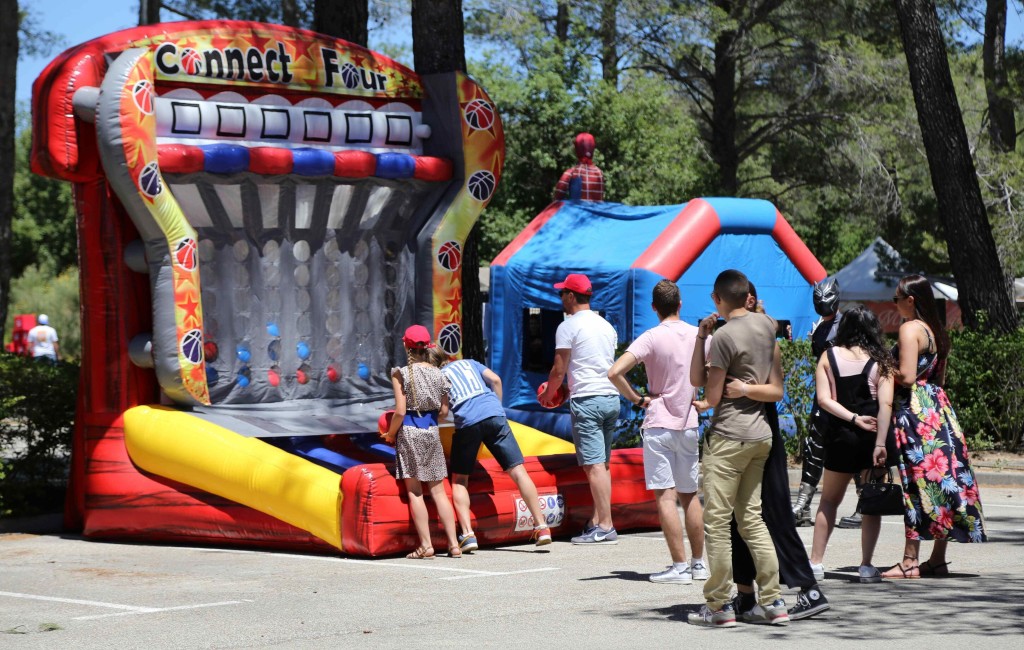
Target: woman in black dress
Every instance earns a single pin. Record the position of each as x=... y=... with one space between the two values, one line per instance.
x=855 y=383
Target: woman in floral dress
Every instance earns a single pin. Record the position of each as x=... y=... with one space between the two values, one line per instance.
x=940 y=493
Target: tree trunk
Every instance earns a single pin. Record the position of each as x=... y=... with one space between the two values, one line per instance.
x=290 y=13
x=609 y=42
x=438 y=30
x=149 y=12
x=972 y=250
x=1002 y=127
x=438 y=45
x=9 y=20
x=723 y=115
x=562 y=21
x=345 y=19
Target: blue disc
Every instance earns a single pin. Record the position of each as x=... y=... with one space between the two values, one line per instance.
x=243 y=381
x=302 y=349
x=272 y=329
x=243 y=354
x=212 y=375
x=364 y=372
x=274 y=350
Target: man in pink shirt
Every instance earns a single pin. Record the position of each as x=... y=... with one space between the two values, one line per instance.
x=671 y=448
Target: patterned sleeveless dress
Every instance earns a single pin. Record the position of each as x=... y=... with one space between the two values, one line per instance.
x=418 y=451
x=940 y=493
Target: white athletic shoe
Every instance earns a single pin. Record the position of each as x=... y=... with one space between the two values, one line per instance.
x=674 y=575
x=818 y=570
x=699 y=570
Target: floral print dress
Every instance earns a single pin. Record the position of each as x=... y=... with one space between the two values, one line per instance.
x=940 y=493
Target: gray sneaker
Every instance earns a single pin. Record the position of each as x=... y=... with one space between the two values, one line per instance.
x=706 y=617
x=699 y=570
x=672 y=574
x=774 y=614
x=597 y=535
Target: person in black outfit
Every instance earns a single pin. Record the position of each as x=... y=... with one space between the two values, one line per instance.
x=826 y=304
x=776 y=510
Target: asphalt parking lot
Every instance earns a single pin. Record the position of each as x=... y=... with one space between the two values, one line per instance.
x=60 y=591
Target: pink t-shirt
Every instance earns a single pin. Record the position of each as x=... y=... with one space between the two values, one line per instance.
x=666 y=351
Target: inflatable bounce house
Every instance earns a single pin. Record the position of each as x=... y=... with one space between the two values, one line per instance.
x=626 y=251
x=261 y=209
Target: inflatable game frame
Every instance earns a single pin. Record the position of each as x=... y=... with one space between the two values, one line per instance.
x=260 y=208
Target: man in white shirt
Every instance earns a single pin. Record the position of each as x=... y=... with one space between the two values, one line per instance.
x=670 y=437
x=585 y=349
x=43 y=340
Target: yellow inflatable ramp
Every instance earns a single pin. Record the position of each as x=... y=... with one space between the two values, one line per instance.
x=187 y=449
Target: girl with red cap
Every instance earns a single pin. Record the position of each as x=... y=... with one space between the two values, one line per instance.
x=421 y=400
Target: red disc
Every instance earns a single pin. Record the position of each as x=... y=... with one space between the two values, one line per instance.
x=332 y=374
x=301 y=376
x=273 y=378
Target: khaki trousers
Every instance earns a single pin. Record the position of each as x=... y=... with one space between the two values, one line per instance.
x=732 y=484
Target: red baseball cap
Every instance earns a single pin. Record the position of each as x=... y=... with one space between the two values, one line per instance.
x=417 y=336
x=576 y=282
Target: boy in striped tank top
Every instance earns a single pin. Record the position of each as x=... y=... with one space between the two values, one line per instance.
x=480 y=418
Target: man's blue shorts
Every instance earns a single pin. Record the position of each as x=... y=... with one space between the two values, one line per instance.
x=593 y=423
x=495 y=434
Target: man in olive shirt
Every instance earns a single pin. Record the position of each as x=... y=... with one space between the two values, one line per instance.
x=743 y=372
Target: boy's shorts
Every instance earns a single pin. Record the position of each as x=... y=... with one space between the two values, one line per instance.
x=495 y=434
x=671 y=459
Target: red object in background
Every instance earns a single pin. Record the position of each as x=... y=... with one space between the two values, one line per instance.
x=384 y=422
x=332 y=374
x=562 y=395
x=19 y=335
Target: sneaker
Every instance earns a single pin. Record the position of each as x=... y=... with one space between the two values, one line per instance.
x=468 y=543
x=542 y=536
x=818 y=570
x=699 y=570
x=868 y=573
x=725 y=617
x=674 y=574
x=809 y=601
x=774 y=614
x=588 y=528
x=597 y=535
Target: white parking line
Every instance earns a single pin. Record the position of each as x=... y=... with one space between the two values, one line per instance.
x=129 y=609
x=150 y=610
x=421 y=565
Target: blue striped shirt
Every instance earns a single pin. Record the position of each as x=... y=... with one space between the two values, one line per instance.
x=471 y=398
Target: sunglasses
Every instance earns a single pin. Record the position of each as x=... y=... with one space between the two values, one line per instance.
x=564 y=292
x=898 y=298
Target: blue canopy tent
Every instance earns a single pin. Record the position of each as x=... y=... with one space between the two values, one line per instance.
x=625 y=251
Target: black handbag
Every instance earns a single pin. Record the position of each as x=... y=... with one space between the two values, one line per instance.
x=880 y=495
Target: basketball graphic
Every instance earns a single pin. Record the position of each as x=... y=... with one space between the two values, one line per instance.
x=449 y=255
x=191 y=61
x=350 y=75
x=481 y=185
x=450 y=338
x=149 y=180
x=185 y=254
x=142 y=93
x=192 y=346
x=479 y=115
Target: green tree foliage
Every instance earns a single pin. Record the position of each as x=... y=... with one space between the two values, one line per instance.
x=647 y=143
x=37 y=408
x=43 y=231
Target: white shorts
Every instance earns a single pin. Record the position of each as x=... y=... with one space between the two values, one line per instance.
x=671 y=459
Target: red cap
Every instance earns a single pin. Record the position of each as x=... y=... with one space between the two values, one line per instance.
x=418 y=337
x=576 y=282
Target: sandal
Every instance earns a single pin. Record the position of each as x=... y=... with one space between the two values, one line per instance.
x=455 y=552
x=905 y=573
x=933 y=570
x=421 y=554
